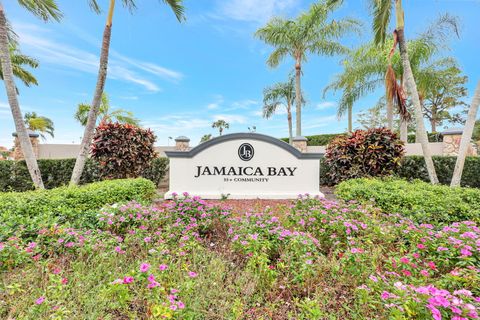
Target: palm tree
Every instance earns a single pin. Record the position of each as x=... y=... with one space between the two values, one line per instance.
x=280 y=94
x=40 y=124
x=45 y=10
x=382 y=10
x=466 y=138
x=220 y=124
x=20 y=60
x=206 y=137
x=311 y=33
x=106 y=114
x=178 y=9
x=364 y=69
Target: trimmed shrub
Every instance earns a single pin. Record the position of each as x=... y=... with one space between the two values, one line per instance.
x=25 y=213
x=320 y=139
x=123 y=150
x=418 y=200
x=371 y=153
x=413 y=167
x=14 y=175
x=432 y=137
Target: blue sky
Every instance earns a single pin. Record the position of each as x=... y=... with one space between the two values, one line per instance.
x=179 y=78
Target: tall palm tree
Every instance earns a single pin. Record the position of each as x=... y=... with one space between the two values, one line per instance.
x=382 y=10
x=105 y=113
x=313 y=32
x=280 y=94
x=221 y=125
x=466 y=138
x=364 y=68
x=43 y=125
x=45 y=10
x=178 y=9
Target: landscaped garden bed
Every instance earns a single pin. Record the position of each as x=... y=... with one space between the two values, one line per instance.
x=196 y=259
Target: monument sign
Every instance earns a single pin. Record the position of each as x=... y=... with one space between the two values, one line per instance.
x=244 y=166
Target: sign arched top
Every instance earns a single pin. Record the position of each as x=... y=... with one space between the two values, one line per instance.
x=242 y=136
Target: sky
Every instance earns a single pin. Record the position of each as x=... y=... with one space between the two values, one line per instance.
x=178 y=78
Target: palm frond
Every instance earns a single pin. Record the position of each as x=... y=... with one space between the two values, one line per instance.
x=43 y=9
x=381 y=12
x=177 y=8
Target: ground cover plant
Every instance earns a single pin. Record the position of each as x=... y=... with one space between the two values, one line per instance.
x=193 y=259
x=24 y=213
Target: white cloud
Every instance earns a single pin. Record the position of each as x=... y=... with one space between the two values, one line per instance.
x=231 y=118
x=255 y=10
x=326 y=105
x=120 y=67
x=216 y=104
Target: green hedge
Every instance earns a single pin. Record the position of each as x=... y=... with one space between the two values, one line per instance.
x=14 y=175
x=324 y=139
x=418 y=200
x=24 y=213
x=320 y=139
x=413 y=167
x=432 y=137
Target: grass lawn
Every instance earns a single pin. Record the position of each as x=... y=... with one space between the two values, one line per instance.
x=193 y=259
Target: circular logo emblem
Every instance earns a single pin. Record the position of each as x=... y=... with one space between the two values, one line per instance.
x=246 y=152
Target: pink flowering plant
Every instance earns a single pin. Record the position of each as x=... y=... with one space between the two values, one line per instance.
x=194 y=259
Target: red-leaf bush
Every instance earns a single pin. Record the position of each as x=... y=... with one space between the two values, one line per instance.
x=364 y=153
x=122 y=150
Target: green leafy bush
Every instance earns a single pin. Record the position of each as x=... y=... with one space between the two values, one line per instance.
x=123 y=150
x=413 y=167
x=25 y=213
x=364 y=153
x=418 y=200
x=14 y=175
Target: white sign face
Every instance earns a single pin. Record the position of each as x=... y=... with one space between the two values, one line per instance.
x=244 y=166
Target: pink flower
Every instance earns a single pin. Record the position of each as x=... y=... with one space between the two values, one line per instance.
x=192 y=274
x=404 y=260
x=127 y=280
x=64 y=280
x=424 y=273
x=144 y=267
x=40 y=300
x=420 y=246
x=465 y=252
x=406 y=272
x=309 y=262
x=162 y=267
x=147 y=239
x=385 y=295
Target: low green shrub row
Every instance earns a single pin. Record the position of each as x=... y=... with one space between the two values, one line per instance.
x=14 y=175
x=325 y=139
x=413 y=167
x=24 y=213
x=418 y=200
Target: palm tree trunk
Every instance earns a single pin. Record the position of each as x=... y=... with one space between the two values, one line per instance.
x=433 y=120
x=421 y=134
x=11 y=90
x=412 y=89
x=390 y=114
x=466 y=137
x=298 y=96
x=97 y=97
x=350 y=118
x=403 y=130
x=289 y=117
